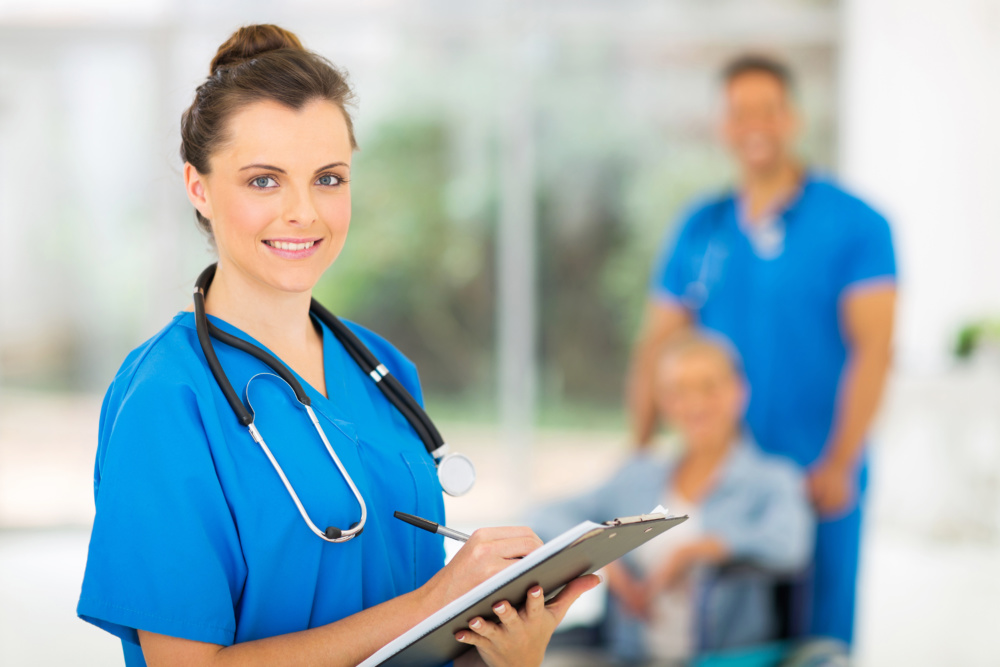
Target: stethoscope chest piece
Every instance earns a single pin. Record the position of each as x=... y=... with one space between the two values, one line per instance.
x=457 y=474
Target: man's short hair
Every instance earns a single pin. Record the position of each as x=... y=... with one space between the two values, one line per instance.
x=758 y=63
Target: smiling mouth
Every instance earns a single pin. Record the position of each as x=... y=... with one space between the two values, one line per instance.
x=293 y=247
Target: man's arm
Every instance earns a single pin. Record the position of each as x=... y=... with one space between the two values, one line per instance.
x=867 y=318
x=662 y=320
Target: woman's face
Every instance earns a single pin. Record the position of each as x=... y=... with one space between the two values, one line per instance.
x=277 y=193
x=701 y=396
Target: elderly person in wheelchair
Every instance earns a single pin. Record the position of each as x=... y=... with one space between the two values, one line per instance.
x=725 y=579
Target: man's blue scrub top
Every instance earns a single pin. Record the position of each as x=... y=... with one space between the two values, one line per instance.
x=196 y=537
x=783 y=312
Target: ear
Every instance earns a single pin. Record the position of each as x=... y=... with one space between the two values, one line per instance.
x=197 y=190
x=744 y=397
x=794 y=121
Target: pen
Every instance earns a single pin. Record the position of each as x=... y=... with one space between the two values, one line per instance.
x=430 y=526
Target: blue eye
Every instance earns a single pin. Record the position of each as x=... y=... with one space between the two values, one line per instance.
x=329 y=179
x=263 y=182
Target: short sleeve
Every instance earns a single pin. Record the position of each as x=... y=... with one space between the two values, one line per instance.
x=164 y=552
x=668 y=280
x=672 y=271
x=869 y=254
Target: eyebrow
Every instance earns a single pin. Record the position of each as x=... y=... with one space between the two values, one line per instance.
x=271 y=167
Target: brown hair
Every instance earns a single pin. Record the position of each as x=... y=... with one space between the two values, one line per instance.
x=756 y=63
x=257 y=62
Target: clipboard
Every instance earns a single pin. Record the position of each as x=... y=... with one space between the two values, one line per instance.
x=581 y=550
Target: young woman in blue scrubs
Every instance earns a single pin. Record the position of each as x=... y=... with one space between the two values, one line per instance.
x=198 y=555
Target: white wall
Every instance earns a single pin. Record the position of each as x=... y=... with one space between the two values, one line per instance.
x=921 y=138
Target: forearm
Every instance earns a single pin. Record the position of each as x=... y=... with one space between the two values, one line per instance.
x=859 y=394
x=353 y=639
x=340 y=644
x=618 y=577
x=639 y=391
x=662 y=322
x=708 y=550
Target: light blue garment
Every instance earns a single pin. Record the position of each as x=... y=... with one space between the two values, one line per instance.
x=758 y=508
x=196 y=537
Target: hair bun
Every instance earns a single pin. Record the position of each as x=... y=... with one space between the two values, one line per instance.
x=251 y=41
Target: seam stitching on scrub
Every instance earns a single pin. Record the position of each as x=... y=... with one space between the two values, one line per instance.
x=145 y=354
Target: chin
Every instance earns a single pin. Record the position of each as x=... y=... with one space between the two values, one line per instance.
x=294 y=279
x=759 y=162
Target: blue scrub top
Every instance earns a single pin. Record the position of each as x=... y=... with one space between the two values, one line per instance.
x=196 y=537
x=782 y=310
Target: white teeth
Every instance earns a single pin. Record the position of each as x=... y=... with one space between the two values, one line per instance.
x=284 y=245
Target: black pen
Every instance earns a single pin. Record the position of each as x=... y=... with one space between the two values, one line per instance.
x=431 y=527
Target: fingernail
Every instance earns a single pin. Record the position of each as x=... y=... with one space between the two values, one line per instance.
x=600 y=577
x=500 y=608
x=460 y=637
x=535 y=593
x=475 y=624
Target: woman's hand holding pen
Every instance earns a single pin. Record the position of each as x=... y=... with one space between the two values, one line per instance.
x=488 y=551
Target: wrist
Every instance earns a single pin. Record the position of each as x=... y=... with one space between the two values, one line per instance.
x=707 y=550
x=429 y=598
x=840 y=461
x=714 y=550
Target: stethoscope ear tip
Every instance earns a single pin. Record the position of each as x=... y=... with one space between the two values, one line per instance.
x=333 y=533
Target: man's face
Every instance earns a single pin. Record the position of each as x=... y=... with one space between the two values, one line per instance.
x=759 y=125
x=700 y=395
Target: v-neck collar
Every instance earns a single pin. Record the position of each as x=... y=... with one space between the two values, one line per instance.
x=782 y=210
x=730 y=468
x=319 y=402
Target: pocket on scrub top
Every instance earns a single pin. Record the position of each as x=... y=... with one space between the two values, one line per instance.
x=429 y=505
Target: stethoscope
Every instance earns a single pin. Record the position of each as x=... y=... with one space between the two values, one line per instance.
x=696 y=293
x=455 y=471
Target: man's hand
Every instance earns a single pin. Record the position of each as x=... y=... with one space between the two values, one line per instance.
x=832 y=488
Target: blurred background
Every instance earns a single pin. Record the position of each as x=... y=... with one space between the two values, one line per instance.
x=520 y=164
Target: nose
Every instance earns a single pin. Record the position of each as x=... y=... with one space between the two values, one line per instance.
x=299 y=208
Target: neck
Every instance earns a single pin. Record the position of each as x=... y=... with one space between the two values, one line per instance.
x=764 y=189
x=710 y=451
x=277 y=319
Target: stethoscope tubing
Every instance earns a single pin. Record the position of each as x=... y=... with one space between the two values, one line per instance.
x=394 y=392
x=386 y=382
x=336 y=535
x=390 y=387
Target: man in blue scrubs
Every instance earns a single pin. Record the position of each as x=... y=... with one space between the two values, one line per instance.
x=800 y=276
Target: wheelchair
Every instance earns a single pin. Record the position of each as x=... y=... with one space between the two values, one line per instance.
x=719 y=644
